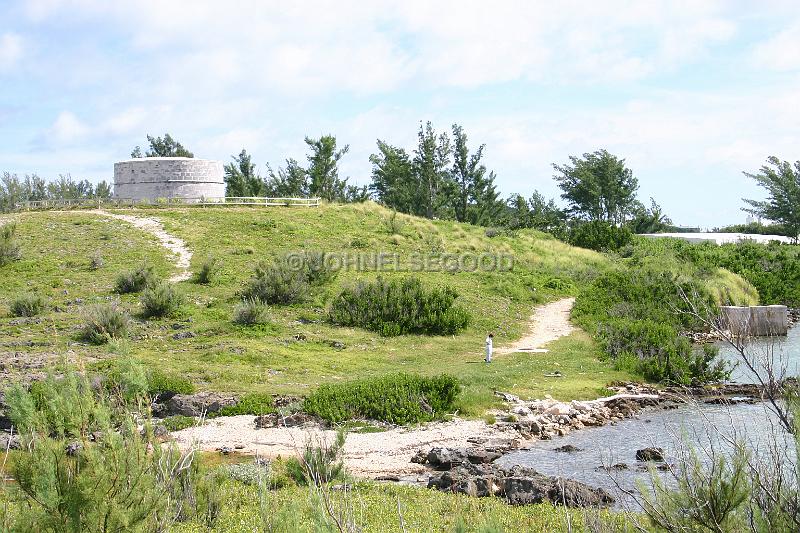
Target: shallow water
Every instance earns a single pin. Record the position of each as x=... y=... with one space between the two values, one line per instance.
x=701 y=426
x=783 y=350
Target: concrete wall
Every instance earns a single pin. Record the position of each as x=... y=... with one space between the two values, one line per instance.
x=758 y=320
x=168 y=177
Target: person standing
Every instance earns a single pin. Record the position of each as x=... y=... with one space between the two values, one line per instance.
x=489 y=347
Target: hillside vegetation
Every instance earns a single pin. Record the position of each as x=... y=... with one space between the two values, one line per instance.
x=73 y=259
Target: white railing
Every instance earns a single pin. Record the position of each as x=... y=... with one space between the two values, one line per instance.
x=134 y=202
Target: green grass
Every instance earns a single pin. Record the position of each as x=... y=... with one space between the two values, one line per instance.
x=376 y=509
x=300 y=349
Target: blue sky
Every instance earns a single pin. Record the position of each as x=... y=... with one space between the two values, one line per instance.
x=691 y=93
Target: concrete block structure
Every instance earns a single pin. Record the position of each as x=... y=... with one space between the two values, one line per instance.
x=758 y=320
x=151 y=178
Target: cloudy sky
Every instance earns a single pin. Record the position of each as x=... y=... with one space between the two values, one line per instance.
x=691 y=93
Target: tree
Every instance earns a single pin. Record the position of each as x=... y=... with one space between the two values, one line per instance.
x=166 y=147
x=393 y=178
x=474 y=197
x=289 y=182
x=598 y=187
x=241 y=178
x=430 y=164
x=103 y=190
x=650 y=220
x=323 y=168
x=782 y=183
x=536 y=213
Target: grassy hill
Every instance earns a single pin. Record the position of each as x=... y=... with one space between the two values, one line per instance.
x=299 y=349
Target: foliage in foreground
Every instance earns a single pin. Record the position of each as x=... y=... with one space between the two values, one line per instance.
x=85 y=465
x=399 y=307
x=396 y=398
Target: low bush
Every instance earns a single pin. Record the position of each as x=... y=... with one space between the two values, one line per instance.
x=399 y=307
x=320 y=463
x=600 y=236
x=9 y=249
x=28 y=304
x=249 y=404
x=207 y=271
x=159 y=382
x=178 y=422
x=135 y=280
x=655 y=351
x=317 y=268
x=96 y=261
x=277 y=283
x=396 y=398
x=103 y=322
x=160 y=300
x=250 y=312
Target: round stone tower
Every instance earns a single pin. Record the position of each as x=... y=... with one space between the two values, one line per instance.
x=150 y=178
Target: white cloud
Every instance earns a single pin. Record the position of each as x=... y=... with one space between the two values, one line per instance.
x=780 y=52
x=10 y=51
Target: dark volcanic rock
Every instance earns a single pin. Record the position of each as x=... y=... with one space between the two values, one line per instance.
x=8 y=442
x=447 y=458
x=198 y=404
x=519 y=485
x=650 y=454
x=567 y=448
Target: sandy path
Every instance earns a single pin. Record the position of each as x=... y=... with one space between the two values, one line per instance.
x=183 y=256
x=366 y=454
x=548 y=323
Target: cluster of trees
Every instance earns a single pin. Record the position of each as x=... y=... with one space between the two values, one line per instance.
x=31 y=187
x=319 y=178
x=166 y=147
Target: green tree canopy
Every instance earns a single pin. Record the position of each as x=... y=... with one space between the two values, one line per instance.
x=598 y=186
x=439 y=180
x=241 y=178
x=781 y=180
x=166 y=147
x=323 y=168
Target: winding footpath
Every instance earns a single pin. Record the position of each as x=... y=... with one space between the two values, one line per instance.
x=387 y=453
x=183 y=256
x=548 y=322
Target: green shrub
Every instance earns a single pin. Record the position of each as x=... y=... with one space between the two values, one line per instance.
x=250 y=312
x=277 y=283
x=9 y=249
x=103 y=322
x=396 y=398
x=320 y=462
x=208 y=270
x=160 y=300
x=178 y=422
x=317 y=268
x=27 y=304
x=159 y=382
x=135 y=280
x=394 y=223
x=87 y=465
x=600 y=236
x=399 y=307
x=249 y=404
x=248 y=473
x=655 y=351
x=96 y=262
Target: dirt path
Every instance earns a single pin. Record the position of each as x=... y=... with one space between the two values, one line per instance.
x=365 y=454
x=548 y=323
x=183 y=256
